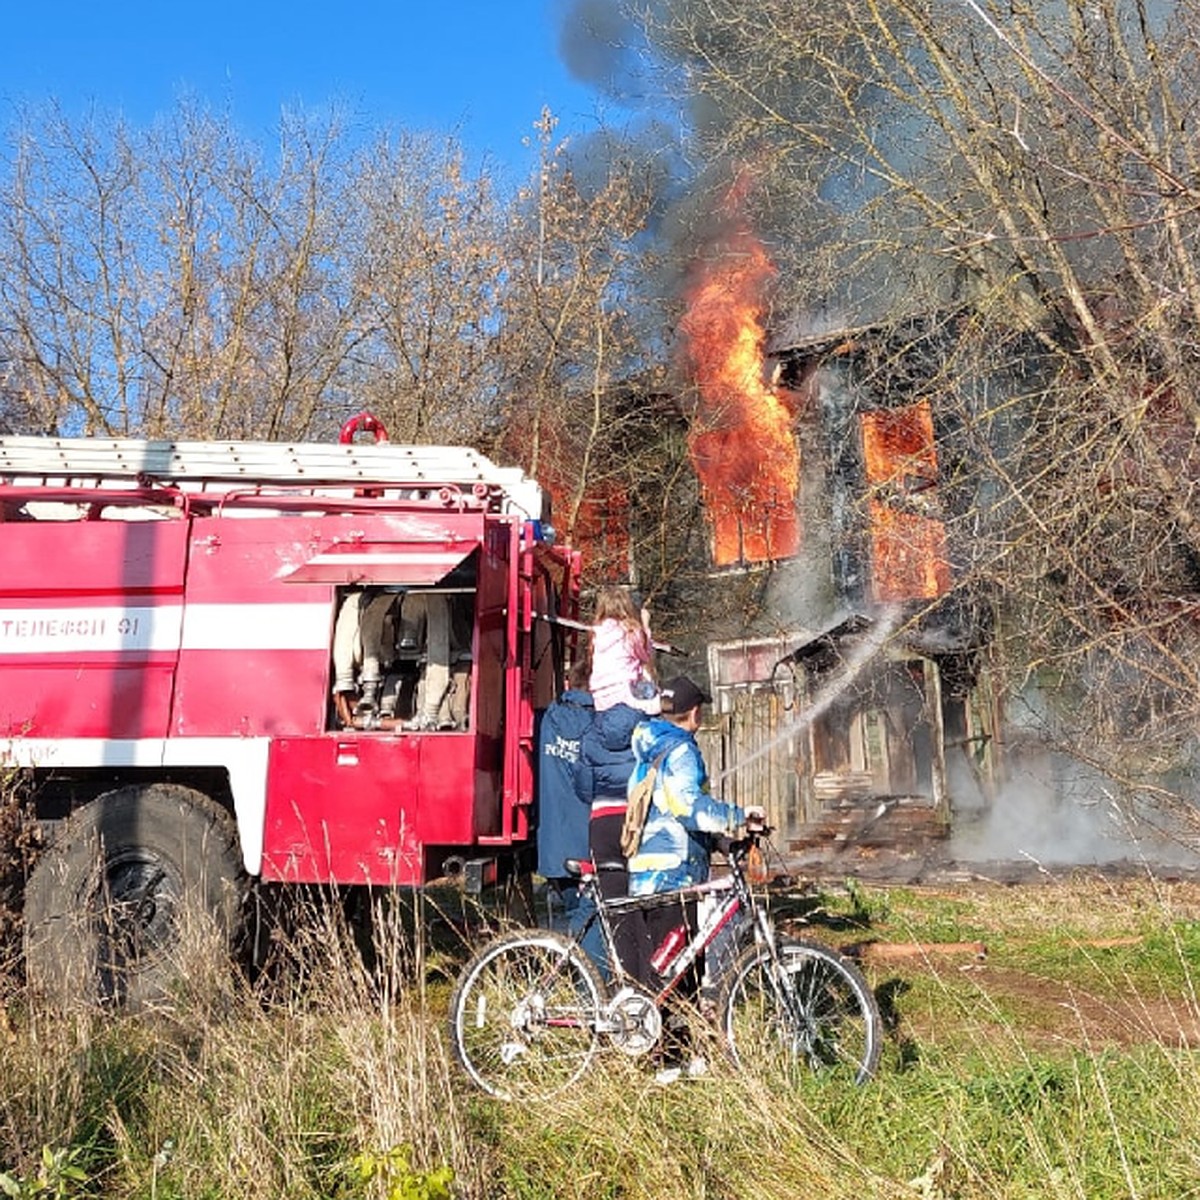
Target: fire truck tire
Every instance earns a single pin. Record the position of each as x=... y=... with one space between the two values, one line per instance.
x=141 y=889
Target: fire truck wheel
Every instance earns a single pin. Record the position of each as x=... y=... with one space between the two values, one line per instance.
x=140 y=891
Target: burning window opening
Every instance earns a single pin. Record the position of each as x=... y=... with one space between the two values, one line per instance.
x=741 y=443
x=907 y=537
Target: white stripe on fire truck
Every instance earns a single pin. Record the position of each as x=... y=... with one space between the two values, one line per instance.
x=447 y=559
x=89 y=630
x=257 y=627
x=114 y=629
x=245 y=758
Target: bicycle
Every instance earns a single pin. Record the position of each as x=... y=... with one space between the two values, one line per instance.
x=530 y=1011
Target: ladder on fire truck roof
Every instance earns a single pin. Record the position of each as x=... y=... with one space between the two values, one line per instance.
x=50 y=460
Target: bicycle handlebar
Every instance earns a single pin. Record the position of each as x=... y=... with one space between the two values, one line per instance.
x=737 y=846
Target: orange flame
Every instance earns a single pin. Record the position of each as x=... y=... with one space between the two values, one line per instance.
x=741 y=440
x=908 y=539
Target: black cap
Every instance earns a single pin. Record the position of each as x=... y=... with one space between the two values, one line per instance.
x=680 y=695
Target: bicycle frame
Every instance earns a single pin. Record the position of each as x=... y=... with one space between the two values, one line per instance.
x=736 y=902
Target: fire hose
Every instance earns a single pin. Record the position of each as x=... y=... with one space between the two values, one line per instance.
x=661 y=647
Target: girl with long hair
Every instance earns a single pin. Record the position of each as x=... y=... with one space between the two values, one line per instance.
x=622 y=653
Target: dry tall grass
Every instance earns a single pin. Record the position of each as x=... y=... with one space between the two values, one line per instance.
x=274 y=1089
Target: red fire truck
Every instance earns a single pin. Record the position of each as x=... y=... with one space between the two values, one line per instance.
x=309 y=663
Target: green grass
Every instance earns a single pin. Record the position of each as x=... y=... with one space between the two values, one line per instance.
x=1060 y=1065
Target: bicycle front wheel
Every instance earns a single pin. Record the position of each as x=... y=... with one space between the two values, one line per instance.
x=525 y=1015
x=807 y=1010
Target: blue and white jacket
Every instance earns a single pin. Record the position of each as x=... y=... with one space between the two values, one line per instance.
x=683 y=813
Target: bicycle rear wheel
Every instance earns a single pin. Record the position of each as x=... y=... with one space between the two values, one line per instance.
x=810 y=1011
x=524 y=1015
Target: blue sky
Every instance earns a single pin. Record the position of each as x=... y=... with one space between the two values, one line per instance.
x=481 y=68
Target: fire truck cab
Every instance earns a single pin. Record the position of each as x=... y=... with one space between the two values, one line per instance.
x=302 y=663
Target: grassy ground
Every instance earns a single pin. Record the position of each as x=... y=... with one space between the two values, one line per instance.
x=1041 y=1044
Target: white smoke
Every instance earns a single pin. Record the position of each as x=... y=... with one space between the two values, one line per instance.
x=1059 y=813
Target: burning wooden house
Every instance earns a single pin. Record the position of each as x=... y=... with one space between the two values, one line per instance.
x=849 y=695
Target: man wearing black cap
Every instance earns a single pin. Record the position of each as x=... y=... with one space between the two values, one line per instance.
x=683 y=815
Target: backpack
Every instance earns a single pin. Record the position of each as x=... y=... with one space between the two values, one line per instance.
x=638 y=808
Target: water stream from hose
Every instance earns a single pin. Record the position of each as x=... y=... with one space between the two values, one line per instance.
x=884 y=626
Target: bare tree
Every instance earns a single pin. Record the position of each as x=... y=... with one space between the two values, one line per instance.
x=254 y=312
x=433 y=271
x=168 y=283
x=578 y=342
x=182 y=281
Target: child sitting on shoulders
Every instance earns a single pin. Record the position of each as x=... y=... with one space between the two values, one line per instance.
x=622 y=654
